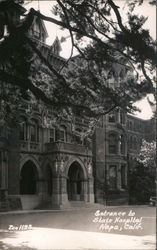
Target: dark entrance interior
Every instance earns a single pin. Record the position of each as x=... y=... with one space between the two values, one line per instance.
x=75 y=188
x=28 y=178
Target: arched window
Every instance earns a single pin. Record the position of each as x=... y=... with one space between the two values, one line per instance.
x=112 y=144
x=61 y=134
x=23 y=130
x=113 y=177
x=34 y=131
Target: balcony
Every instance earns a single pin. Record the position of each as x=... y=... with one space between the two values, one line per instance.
x=30 y=146
x=66 y=147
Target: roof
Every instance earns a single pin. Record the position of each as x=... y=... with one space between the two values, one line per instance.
x=42 y=25
x=7 y=4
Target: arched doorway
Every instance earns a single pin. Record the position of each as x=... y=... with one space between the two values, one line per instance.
x=75 y=182
x=28 y=178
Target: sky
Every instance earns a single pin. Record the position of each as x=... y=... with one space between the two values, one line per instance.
x=146 y=10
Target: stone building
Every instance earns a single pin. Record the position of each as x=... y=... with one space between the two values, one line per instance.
x=51 y=167
x=116 y=144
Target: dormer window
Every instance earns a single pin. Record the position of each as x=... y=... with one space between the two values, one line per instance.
x=36 y=30
x=56 y=47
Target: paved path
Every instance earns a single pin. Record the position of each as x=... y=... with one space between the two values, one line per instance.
x=78 y=229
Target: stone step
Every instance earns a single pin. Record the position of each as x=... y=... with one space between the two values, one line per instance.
x=81 y=205
x=4 y=206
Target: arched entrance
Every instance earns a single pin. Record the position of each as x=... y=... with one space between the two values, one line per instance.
x=75 y=183
x=28 y=178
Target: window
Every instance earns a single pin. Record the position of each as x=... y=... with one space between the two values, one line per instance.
x=135 y=143
x=36 y=30
x=23 y=130
x=61 y=134
x=34 y=131
x=123 y=176
x=122 y=144
x=122 y=117
x=111 y=117
x=52 y=135
x=112 y=144
x=130 y=142
x=130 y=125
x=78 y=136
x=113 y=177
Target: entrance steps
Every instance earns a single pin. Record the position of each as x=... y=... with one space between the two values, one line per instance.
x=80 y=205
x=4 y=206
x=47 y=204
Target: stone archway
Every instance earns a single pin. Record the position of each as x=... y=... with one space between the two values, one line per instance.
x=29 y=185
x=28 y=179
x=75 y=183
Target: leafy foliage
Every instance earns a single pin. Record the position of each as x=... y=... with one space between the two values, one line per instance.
x=142 y=185
x=142 y=177
x=147 y=155
x=109 y=72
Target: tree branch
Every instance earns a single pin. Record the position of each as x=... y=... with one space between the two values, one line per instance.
x=70 y=31
x=116 y=11
x=26 y=84
x=81 y=32
x=46 y=62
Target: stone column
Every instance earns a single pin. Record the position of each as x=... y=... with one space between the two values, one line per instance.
x=119 y=145
x=56 y=191
x=90 y=190
x=118 y=116
x=63 y=190
x=3 y=170
x=126 y=176
x=41 y=189
x=82 y=194
x=119 y=176
x=85 y=190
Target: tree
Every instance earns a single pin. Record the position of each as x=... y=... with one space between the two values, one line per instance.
x=142 y=176
x=108 y=45
x=147 y=155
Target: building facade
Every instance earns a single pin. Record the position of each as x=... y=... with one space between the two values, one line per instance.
x=116 y=144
